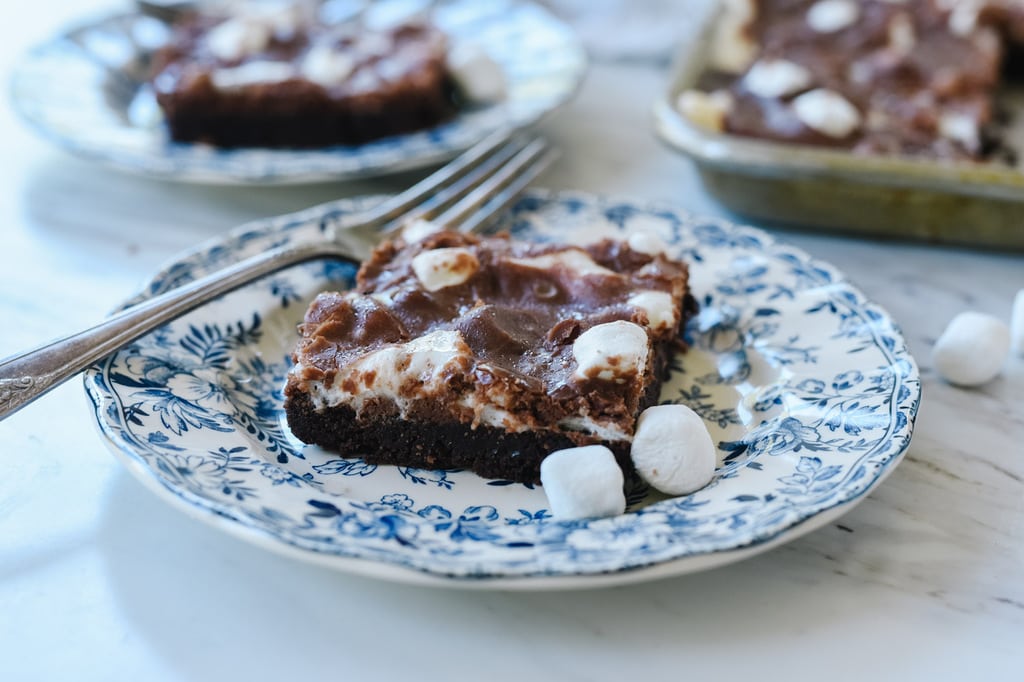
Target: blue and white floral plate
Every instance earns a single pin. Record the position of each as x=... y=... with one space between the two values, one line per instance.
x=83 y=90
x=807 y=388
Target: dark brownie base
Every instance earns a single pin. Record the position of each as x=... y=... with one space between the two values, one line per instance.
x=490 y=452
x=308 y=121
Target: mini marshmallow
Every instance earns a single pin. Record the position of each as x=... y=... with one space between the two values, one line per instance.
x=827 y=112
x=646 y=242
x=773 y=78
x=382 y=16
x=901 y=33
x=284 y=17
x=583 y=482
x=611 y=351
x=479 y=77
x=961 y=128
x=704 y=110
x=250 y=73
x=732 y=49
x=441 y=268
x=418 y=230
x=236 y=38
x=576 y=261
x=672 y=449
x=829 y=16
x=327 y=67
x=1017 y=324
x=972 y=349
x=963 y=20
x=658 y=307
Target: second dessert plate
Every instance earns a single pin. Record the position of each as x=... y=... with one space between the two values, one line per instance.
x=807 y=388
x=85 y=91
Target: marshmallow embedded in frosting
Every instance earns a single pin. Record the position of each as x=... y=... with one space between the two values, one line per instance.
x=577 y=261
x=237 y=38
x=252 y=30
x=827 y=112
x=250 y=73
x=326 y=66
x=658 y=306
x=772 y=78
x=962 y=128
x=647 y=242
x=732 y=49
x=829 y=16
x=441 y=268
x=705 y=110
x=418 y=230
x=611 y=351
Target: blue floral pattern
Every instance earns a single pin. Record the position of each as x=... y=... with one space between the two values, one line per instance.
x=543 y=60
x=806 y=387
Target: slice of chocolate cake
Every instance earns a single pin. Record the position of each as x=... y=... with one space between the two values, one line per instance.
x=487 y=353
x=276 y=75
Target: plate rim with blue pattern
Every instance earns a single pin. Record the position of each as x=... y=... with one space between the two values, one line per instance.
x=807 y=386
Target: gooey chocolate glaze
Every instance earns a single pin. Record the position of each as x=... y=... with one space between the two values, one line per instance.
x=518 y=319
x=922 y=80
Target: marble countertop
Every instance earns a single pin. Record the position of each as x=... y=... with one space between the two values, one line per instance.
x=99 y=580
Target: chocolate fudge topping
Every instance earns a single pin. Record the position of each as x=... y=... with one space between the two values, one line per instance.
x=492 y=352
x=913 y=77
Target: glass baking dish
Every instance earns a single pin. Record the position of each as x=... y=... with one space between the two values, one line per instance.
x=974 y=204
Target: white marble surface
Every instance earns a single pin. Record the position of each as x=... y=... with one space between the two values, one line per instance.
x=100 y=581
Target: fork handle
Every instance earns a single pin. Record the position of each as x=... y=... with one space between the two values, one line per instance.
x=26 y=376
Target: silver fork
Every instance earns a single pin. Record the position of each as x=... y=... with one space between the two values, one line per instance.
x=466 y=195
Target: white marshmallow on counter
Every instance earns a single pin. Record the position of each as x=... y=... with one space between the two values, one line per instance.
x=1017 y=324
x=829 y=16
x=611 y=351
x=827 y=112
x=440 y=268
x=672 y=449
x=478 y=76
x=705 y=110
x=773 y=78
x=658 y=306
x=972 y=349
x=583 y=482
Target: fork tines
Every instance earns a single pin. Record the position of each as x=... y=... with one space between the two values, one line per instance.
x=461 y=191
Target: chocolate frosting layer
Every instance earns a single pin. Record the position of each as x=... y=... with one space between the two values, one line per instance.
x=516 y=314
